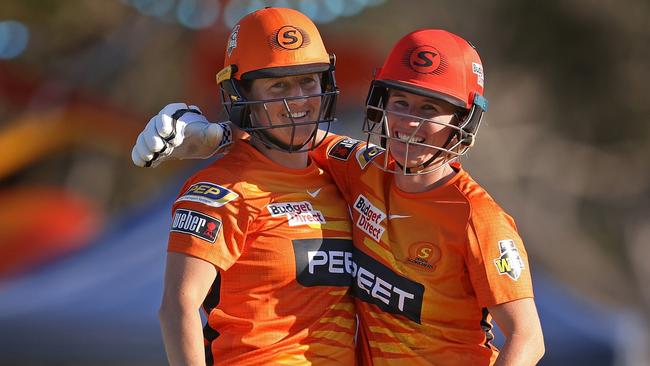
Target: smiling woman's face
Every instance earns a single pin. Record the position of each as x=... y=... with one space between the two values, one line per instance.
x=301 y=110
x=418 y=120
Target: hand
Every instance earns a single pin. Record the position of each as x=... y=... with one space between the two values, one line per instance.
x=178 y=132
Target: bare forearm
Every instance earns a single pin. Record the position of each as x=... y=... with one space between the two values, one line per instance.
x=182 y=335
x=521 y=351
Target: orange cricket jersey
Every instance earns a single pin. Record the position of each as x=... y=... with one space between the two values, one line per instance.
x=280 y=239
x=426 y=265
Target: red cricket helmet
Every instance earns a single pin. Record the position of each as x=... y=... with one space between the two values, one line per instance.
x=438 y=64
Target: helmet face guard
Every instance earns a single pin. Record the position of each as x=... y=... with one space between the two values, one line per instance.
x=463 y=129
x=244 y=112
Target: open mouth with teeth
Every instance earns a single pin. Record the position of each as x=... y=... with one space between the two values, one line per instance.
x=406 y=137
x=296 y=115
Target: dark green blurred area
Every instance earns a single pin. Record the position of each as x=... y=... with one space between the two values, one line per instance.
x=565 y=146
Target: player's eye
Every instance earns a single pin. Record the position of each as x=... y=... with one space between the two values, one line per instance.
x=429 y=110
x=278 y=85
x=399 y=104
x=308 y=82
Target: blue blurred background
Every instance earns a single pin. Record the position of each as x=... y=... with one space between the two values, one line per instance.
x=564 y=148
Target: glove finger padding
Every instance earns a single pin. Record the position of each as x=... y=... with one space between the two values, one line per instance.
x=142 y=151
x=136 y=158
x=153 y=142
x=184 y=119
x=165 y=125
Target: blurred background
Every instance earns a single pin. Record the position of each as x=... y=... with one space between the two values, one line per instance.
x=565 y=149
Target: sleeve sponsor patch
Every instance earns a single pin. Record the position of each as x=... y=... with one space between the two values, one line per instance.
x=367 y=154
x=343 y=149
x=196 y=224
x=208 y=193
x=509 y=262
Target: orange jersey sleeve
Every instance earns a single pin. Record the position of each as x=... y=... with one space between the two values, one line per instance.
x=496 y=259
x=210 y=221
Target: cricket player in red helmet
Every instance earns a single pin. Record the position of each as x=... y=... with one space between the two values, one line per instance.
x=461 y=253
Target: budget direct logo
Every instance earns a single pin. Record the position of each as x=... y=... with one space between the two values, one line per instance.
x=297 y=213
x=370 y=218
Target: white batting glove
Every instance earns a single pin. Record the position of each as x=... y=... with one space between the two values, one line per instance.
x=179 y=132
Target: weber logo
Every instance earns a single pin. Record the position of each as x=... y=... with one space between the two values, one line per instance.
x=323 y=262
x=297 y=213
x=196 y=224
x=370 y=218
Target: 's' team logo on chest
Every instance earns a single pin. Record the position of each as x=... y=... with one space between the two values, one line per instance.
x=424 y=256
x=297 y=213
x=370 y=218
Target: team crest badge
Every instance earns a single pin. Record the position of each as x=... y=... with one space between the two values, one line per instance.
x=509 y=262
x=289 y=38
x=424 y=255
x=426 y=60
